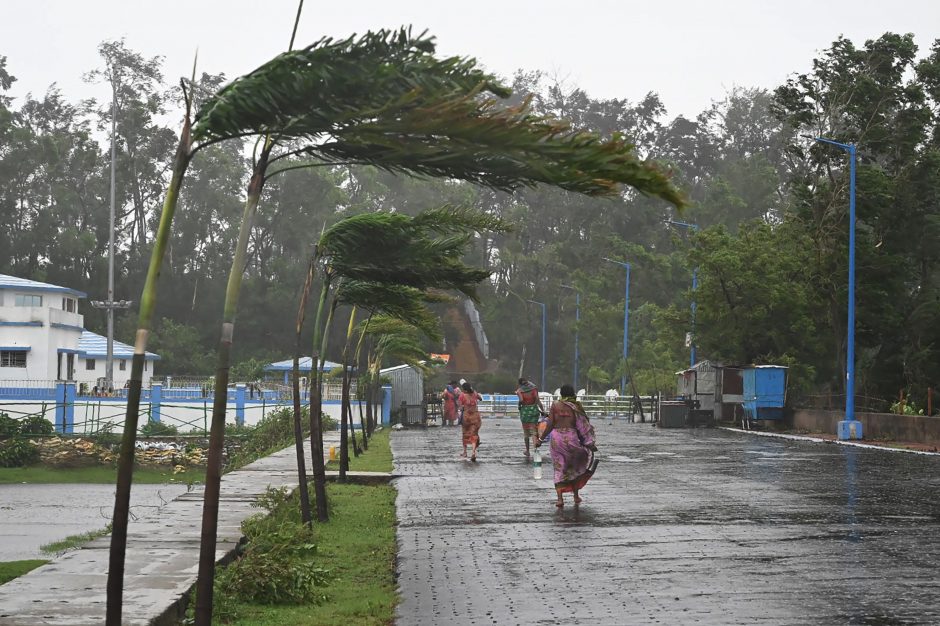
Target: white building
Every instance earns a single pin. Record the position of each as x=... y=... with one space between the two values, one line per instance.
x=43 y=338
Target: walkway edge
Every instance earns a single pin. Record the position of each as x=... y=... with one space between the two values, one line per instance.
x=854 y=444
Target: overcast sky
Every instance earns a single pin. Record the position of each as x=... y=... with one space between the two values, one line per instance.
x=689 y=51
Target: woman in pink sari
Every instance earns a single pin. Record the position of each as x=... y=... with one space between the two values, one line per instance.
x=571 y=446
x=471 y=420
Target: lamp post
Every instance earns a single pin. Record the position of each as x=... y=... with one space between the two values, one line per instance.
x=577 y=320
x=626 y=322
x=542 y=304
x=693 y=228
x=849 y=428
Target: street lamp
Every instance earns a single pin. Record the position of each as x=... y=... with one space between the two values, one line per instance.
x=693 y=228
x=542 y=304
x=626 y=322
x=109 y=305
x=577 y=320
x=849 y=428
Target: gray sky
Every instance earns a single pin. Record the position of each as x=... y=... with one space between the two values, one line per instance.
x=689 y=51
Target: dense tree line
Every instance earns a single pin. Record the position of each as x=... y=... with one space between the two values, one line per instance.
x=771 y=252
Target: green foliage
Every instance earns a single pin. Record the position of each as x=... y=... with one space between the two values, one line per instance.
x=15 y=447
x=598 y=376
x=277 y=562
x=909 y=408
x=384 y=99
x=154 y=428
x=274 y=432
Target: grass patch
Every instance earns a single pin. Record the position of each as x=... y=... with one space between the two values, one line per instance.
x=357 y=549
x=378 y=458
x=13 y=569
x=73 y=541
x=97 y=474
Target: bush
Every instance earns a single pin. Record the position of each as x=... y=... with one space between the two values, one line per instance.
x=154 y=428
x=274 y=432
x=276 y=564
x=15 y=448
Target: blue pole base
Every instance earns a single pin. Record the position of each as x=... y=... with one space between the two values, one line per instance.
x=849 y=429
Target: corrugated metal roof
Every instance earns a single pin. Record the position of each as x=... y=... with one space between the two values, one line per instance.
x=306 y=365
x=14 y=282
x=96 y=346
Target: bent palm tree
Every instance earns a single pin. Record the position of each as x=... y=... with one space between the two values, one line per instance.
x=384 y=99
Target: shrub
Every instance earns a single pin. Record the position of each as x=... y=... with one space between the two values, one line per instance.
x=15 y=448
x=276 y=564
x=154 y=428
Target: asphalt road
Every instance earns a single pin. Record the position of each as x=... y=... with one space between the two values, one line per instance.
x=677 y=527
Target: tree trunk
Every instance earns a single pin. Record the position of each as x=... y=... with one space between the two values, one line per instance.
x=305 y=514
x=148 y=298
x=316 y=404
x=210 y=506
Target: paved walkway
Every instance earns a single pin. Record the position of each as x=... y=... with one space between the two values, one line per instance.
x=677 y=527
x=162 y=556
x=34 y=515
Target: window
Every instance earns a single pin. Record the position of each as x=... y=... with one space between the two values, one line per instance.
x=68 y=304
x=12 y=358
x=123 y=365
x=89 y=364
x=22 y=299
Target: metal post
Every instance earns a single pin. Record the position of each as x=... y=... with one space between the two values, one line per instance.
x=109 y=366
x=849 y=428
x=543 y=348
x=692 y=343
x=626 y=323
x=542 y=304
x=850 y=351
x=577 y=322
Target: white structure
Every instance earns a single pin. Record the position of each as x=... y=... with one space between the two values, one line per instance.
x=42 y=337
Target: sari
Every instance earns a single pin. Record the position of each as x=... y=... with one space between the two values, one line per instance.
x=471 y=418
x=572 y=457
x=529 y=409
x=450 y=404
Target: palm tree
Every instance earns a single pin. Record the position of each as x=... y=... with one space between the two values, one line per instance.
x=384 y=99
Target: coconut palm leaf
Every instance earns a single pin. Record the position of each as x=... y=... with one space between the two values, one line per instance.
x=384 y=99
x=397 y=301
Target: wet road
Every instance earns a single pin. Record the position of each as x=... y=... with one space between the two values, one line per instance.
x=34 y=515
x=677 y=527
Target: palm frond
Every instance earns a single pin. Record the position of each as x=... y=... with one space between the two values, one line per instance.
x=385 y=99
x=398 y=301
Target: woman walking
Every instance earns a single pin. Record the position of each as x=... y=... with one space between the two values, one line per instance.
x=571 y=445
x=530 y=408
x=450 y=395
x=471 y=420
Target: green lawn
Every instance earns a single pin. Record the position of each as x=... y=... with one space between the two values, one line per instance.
x=357 y=547
x=377 y=459
x=96 y=474
x=11 y=569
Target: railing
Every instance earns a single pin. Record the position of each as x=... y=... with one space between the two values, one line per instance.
x=623 y=407
x=27 y=389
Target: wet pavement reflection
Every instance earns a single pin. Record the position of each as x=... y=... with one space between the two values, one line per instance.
x=677 y=527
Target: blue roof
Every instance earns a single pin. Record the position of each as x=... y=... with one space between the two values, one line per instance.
x=305 y=365
x=92 y=345
x=24 y=284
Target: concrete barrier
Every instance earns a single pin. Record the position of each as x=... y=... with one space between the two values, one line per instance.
x=914 y=428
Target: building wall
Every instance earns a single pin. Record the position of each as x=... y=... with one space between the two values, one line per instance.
x=90 y=377
x=55 y=329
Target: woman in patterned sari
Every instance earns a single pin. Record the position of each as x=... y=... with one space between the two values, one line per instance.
x=471 y=420
x=571 y=446
x=530 y=408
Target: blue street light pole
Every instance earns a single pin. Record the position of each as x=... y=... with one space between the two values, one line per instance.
x=542 y=304
x=849 y=428
x=577 y=323
x=626 y=323
x=693 y=228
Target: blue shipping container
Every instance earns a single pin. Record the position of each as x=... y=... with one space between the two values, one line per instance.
x=765 y=392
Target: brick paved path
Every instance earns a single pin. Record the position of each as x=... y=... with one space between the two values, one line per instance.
x=678 y=527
